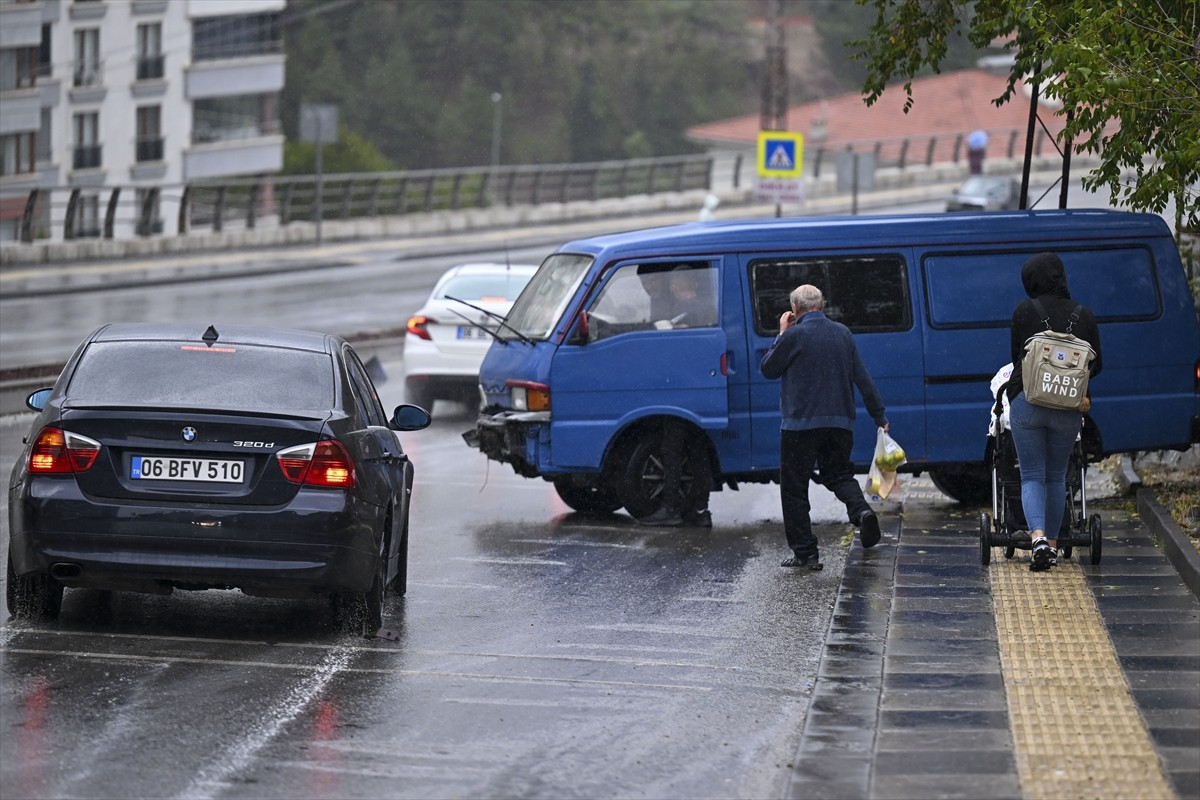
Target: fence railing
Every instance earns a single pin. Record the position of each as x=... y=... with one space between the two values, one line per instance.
x=218 y=205
x=284 y=200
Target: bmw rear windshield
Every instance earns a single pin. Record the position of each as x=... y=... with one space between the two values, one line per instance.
x=192 y=375
x=544 y=300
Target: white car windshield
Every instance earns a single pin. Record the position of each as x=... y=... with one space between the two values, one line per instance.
x=544 y=300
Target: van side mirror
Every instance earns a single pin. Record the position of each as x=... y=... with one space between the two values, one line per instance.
x=582 y=334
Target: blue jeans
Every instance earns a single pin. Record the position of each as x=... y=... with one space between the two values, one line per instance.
x=1044 y=438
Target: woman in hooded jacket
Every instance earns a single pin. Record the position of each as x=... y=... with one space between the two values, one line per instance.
x=1044 y=437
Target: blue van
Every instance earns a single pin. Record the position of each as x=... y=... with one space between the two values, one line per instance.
x=590 y=361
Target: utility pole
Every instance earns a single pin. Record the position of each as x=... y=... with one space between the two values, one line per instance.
x=775 y=85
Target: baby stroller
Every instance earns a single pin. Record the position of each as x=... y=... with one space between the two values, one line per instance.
x=1005 y=526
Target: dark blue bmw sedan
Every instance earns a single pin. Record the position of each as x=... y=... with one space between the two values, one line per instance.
x=172 y=457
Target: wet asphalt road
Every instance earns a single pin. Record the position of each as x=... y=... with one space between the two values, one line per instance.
x=538 y=653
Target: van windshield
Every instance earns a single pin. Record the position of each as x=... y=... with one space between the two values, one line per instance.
x=544 y=300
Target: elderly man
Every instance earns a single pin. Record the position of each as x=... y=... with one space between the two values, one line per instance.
x=820 y=365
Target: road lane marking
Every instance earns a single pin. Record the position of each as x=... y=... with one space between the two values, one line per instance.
x=1076 y=730
x=213 y=780
x=412 y=673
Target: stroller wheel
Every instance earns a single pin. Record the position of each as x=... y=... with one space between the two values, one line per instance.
x=1010 y=551
x=1066 y=551
x=1094 y=530
x=985 y=539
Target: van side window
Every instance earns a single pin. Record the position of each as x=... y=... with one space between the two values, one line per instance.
x=661 y=295
x=980 y=289
x=867 y=294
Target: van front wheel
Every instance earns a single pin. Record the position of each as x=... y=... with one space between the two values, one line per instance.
x=969 y=484
x=587 y=497
x=640 y=488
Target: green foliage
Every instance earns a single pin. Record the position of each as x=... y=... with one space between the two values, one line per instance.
x=351 y=153
x=1126 y=71
x=585 y=80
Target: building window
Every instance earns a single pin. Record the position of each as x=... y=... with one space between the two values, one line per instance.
x=44 y=151
x=246 y=116
x=87 y=57
x=87 y=216
x=17 y=153
x=150 y=56
x=87 y=141
x=18 y=68
x=149 y=133
x=45 y=62
x=236 y=36
x=148 y=210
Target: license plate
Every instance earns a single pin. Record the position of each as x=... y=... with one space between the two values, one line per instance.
x=205 y=470
x=467 y=332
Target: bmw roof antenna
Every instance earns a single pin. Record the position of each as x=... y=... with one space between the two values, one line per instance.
x=210 y=336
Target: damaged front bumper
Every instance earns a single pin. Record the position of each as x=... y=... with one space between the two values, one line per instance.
x=518 y=438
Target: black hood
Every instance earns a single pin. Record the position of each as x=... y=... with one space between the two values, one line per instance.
x=1044 y=275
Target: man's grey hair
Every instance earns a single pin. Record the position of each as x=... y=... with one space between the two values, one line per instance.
x=807 y=298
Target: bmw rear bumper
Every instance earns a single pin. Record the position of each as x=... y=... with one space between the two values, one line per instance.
x=320 y=542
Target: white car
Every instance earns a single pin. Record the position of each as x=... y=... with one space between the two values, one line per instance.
x=446 y=339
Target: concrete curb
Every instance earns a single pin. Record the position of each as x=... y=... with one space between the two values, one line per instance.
x=1173 y=541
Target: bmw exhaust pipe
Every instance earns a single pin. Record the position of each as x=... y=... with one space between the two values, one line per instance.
x=64 y=571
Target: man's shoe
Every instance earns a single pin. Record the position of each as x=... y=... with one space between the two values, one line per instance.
x=698 y=519
x=868 y=526
x=662 y=518
x=812 y=562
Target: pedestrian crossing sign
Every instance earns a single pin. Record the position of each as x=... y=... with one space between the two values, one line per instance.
x=780 y=154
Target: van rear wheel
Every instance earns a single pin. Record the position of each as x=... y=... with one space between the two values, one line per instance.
x=969 y=484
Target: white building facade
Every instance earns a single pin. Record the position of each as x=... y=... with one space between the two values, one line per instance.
x=110 y=108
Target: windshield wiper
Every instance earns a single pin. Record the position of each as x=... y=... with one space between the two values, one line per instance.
x=494 y=316
x=483 y=328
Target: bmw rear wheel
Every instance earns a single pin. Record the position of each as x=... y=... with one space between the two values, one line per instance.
x=36 y=596
x=361 y=613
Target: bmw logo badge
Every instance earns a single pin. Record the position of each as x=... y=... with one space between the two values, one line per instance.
x=189 y=434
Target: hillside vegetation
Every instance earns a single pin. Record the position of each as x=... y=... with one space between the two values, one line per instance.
x=584 y=80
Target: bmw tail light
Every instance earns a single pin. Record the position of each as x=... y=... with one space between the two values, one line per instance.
x=56 y=450
x=529 y=396
x=416 y=326
x=325 y=464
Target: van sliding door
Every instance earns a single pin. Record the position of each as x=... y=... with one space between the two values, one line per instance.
x=869 y=292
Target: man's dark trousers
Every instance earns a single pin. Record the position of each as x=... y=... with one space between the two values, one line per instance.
x=829 y=449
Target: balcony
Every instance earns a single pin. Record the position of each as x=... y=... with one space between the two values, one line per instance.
x=21 y=23
x=87 y=156
x=248 y=156
x=150 y=148
x=150 y=68
x=20 y=110
x=257 y=75
x=88 y=75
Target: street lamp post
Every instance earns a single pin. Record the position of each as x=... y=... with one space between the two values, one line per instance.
x=497 y=112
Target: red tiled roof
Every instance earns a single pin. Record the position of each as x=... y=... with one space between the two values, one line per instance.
x=943 y=106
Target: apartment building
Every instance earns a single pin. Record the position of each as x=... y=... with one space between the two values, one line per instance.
x=110 y=108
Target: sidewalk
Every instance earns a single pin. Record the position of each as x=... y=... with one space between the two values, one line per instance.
x=943 y=678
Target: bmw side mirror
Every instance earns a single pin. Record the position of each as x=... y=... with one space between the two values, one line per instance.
x=408 y=417
x=37 y=401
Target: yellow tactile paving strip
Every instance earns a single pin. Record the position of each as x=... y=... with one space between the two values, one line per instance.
x=1076 y=731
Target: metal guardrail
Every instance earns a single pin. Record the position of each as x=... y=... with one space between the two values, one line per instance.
x=283 y=200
